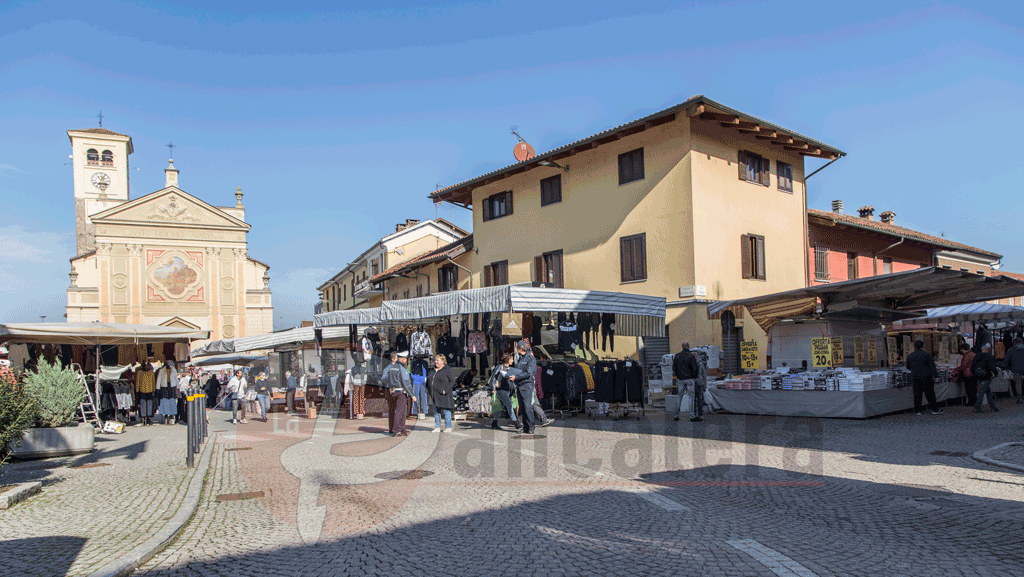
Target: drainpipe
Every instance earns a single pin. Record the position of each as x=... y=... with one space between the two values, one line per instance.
x=893 y=245
x=469 y=273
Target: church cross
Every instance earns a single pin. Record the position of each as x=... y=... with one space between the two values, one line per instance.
x=170 y=146
x=100 y=116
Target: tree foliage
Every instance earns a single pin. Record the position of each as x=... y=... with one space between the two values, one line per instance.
x=17 y=410
x=57 y=393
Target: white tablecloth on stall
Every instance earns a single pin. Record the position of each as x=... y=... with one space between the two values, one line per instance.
x=841 y=404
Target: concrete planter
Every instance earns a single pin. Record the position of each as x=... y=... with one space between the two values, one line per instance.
x=55 y=442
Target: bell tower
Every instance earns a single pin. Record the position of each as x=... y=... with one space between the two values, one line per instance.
x=100 y=160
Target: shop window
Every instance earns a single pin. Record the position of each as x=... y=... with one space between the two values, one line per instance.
x=752 y=256
x=496 y=273
x=820 y=263
x=551 y=190
x=92 y=156
x=785 y=175
x=631 y=166
x=633 y=257
x=107 y=158
x=754 y=168
x=851 y=266
x=547 y=269
x=447 y=278
x=886 y=265
x=497 y=205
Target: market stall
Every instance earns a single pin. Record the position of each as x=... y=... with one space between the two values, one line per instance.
x=829 y=351
x=102 y=351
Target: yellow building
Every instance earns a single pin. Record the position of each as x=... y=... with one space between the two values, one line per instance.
x=695 y=203
x=351 y=287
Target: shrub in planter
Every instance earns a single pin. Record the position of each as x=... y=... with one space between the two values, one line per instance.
x=17 y=410
x=57 y=393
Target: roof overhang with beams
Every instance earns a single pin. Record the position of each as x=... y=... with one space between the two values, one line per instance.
x=885 y=297
x=698 y=108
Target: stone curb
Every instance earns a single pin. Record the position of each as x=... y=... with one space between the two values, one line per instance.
x=19 y=493
x=130 y=561
x=982 y=457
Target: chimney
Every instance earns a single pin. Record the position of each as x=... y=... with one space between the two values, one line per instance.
x=888 y=217
x=172 y=174
x=837 y=206
x=408 y=223
x=867 y=212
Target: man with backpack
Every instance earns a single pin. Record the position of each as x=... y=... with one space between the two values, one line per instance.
x=923 y=372
x=984 y=368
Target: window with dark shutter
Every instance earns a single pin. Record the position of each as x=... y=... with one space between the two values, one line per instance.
x=551 y=190
x=497 y=205
x=785 y=176
x=754 y=168
x=752 y=256
x=633 y=257
x=488 y=276
x=851 y=265
x=820 y=263
x=496 y=273
x=631 y=166
x=547 y=269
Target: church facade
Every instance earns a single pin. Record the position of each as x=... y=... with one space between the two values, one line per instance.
x=166 y=258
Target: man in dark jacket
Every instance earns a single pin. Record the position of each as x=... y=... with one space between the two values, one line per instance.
x=686 y=371
x=923 y=372
x=399 y=384
x=984 y=369
x=528 y=364
x=1015 y=363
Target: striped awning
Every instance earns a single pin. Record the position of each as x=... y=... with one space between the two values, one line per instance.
x=966 y=313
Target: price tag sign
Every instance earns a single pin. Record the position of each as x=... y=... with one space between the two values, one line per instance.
x=837 y=351
x=748 y=354
x=872 y=352
x=858 y=351
x=821 y=352
x=894 y=357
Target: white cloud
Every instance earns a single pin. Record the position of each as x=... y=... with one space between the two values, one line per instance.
x=11 y=170
x=20 y=246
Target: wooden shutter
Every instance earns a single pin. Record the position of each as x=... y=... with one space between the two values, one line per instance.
x=487 y=275
x=638 y=164
x=508 y=203
x=745 y=256
x=625 y=260
x=742 y=163
x=487 y=209
x=556 y=261
x=502 y=273
x=538 y=269
x=622 y=169
x=640 y=256
x=759 y=256
x=766 y=171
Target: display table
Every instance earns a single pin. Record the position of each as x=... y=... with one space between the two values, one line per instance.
x=840 y=404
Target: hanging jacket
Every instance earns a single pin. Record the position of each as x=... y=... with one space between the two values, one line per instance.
x=419 y=344
x=401 y=343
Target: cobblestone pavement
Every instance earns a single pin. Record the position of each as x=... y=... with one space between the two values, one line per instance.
x=733 y=495
x=93 y=507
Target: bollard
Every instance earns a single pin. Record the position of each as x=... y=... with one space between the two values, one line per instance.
x=202 y=418
x=190 y=450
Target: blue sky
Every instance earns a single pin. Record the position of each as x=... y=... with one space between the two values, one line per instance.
x=338 y=124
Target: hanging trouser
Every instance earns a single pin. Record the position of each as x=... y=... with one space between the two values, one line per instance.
x=607 y=331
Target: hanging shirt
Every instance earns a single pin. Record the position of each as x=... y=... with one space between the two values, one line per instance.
x=419 y=344
x=567 y=336
x=145 y=381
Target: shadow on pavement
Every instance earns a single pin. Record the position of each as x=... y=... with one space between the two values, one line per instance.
x=672 y=523
x=39 y=556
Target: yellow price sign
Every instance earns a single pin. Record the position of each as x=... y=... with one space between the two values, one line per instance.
x=894 y=357
x=821 y=352
x=858 y=351
x=872 y=352
x=837 y=351
x=748 y=354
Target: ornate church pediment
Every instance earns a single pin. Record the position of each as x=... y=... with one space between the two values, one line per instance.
x=170 y=207
x=179 y=323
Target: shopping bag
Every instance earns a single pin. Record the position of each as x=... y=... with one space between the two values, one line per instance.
x=495 y=405
x=685 y=403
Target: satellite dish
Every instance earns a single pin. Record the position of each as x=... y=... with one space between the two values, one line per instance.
x=523 y=151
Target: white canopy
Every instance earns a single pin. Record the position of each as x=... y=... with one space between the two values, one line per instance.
x=96 y=334
x=967 y=313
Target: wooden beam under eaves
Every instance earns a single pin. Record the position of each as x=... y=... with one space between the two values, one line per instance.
x=697 y=110
x=766 y=134
x=783 y=140
x=728 y=118
x=797 y=146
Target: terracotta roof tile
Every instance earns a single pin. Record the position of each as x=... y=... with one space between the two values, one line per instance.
x=424 y=259
x=100 y=131
x=894 y=230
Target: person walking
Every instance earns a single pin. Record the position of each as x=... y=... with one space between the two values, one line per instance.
x=968 y=378
x=440 y=383
x=686 y=371
x=1015 y=363
x=289 y=394
x=984 y=368
x=502 y=381
x=527 y=363
x=263 y=396
x=396 y=379
x=923 y=372
x=236 y=388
